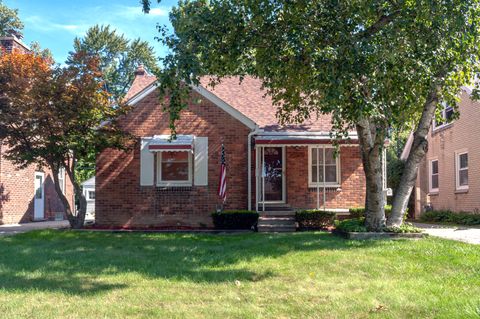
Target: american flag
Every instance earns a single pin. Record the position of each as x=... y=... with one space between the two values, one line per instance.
x=222 y=185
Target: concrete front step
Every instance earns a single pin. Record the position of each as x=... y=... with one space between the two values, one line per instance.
x=277 y=213
x=276 y=228
x=276 y=224
x=287 y=221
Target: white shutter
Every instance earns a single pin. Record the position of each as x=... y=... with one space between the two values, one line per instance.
x=146 y=164
x=201 y=161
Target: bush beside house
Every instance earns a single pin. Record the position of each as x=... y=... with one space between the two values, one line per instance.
x=235 y=219
x=314 y=219
x=447 y=216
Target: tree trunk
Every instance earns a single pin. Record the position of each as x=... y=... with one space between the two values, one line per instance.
x=76 y=221
x=371 y=138
x=417 y=152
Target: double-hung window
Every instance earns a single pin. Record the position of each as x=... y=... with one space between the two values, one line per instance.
x=434 y=176
x=323 y=166
x=461 y=170
x=446 y=117
x=174 y=168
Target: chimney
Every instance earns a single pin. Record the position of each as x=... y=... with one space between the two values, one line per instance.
x=140 y=71
x=13 y=42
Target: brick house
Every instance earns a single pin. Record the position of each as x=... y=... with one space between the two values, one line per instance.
x=449 y=175
x=28 y=194
x=269 y=167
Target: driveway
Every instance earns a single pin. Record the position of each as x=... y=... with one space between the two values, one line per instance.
x=466 y=234
x=22 y=228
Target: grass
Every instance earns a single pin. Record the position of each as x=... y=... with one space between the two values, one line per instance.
x=51 y=274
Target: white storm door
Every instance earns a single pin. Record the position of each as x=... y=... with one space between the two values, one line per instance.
x=39 y=196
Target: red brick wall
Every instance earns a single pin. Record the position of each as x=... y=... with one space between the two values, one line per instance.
x=121 y=201
x=17 y=190
x=460 y=135
x=352 y=193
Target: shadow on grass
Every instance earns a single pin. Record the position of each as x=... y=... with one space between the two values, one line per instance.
x=71 y=262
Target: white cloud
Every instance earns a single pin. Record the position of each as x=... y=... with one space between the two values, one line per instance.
x=45 y=25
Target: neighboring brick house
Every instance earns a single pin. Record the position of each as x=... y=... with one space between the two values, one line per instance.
x=269 y=167
x=449 y=175
x=28 y=194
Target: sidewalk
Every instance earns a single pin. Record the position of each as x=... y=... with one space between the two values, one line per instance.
x=466 y=234
x=21 y=228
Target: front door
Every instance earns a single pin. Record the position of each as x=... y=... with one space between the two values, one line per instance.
x=39 y=197
x=272 y=181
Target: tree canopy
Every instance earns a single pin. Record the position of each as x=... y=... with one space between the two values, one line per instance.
x=373 y=65
x=9 y=20
x=53 y=116
x=118 y=56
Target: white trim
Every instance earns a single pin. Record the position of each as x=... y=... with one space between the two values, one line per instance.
x=338 y=166
x=89 y=198
x=284 y=184
x=430 y=175
x=436 y=127
x=327 y=136
x=143 y=93
x=206 y=94
x=225 y=106
x=173 y=183
x=459 y=187
x=61 y=172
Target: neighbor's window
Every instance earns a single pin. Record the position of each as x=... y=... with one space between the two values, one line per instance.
x=174 y=168
x=446 y=117
x=91 y=195
x=461 y=168
x=322 y=159
x=61 y=179
x=434 y=176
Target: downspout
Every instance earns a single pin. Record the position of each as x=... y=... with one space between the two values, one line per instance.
x=249 y=169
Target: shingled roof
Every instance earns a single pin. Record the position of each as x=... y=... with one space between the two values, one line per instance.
x=248 y=98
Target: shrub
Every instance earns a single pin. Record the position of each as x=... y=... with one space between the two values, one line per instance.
x=314 y=219
x=358 y=212
x=235 y=219
x=447 y=216
x=352 y=225
x=358 y=225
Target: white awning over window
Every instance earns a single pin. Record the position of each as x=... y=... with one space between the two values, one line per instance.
x=163 y=143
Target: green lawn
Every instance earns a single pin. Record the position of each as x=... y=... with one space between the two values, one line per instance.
x=47 y=274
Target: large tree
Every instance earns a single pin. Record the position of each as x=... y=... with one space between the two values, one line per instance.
x=53 y=116
x=9 y=21
x=119 y=57
x=373 y=65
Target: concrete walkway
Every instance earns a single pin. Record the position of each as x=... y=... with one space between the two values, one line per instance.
x=466 y=234
x=22 y=228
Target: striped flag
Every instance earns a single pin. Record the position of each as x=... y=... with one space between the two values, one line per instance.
x=222 y=185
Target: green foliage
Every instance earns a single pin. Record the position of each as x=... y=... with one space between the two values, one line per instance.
x=404 y=228
x=446 y=216
x=395 y=165
x=314 y=219
x=352 y=225
x=9 y=21
x=235 y=219
x=358 y=212
x=372 y=65
x=119 y=57
x=358 y=225
x=54 y=116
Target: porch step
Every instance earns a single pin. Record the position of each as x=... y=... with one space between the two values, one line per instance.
x=275 y=207
x=276 y=224
x=277 y=213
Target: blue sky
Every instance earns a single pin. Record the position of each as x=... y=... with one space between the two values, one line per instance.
x=55 y=23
